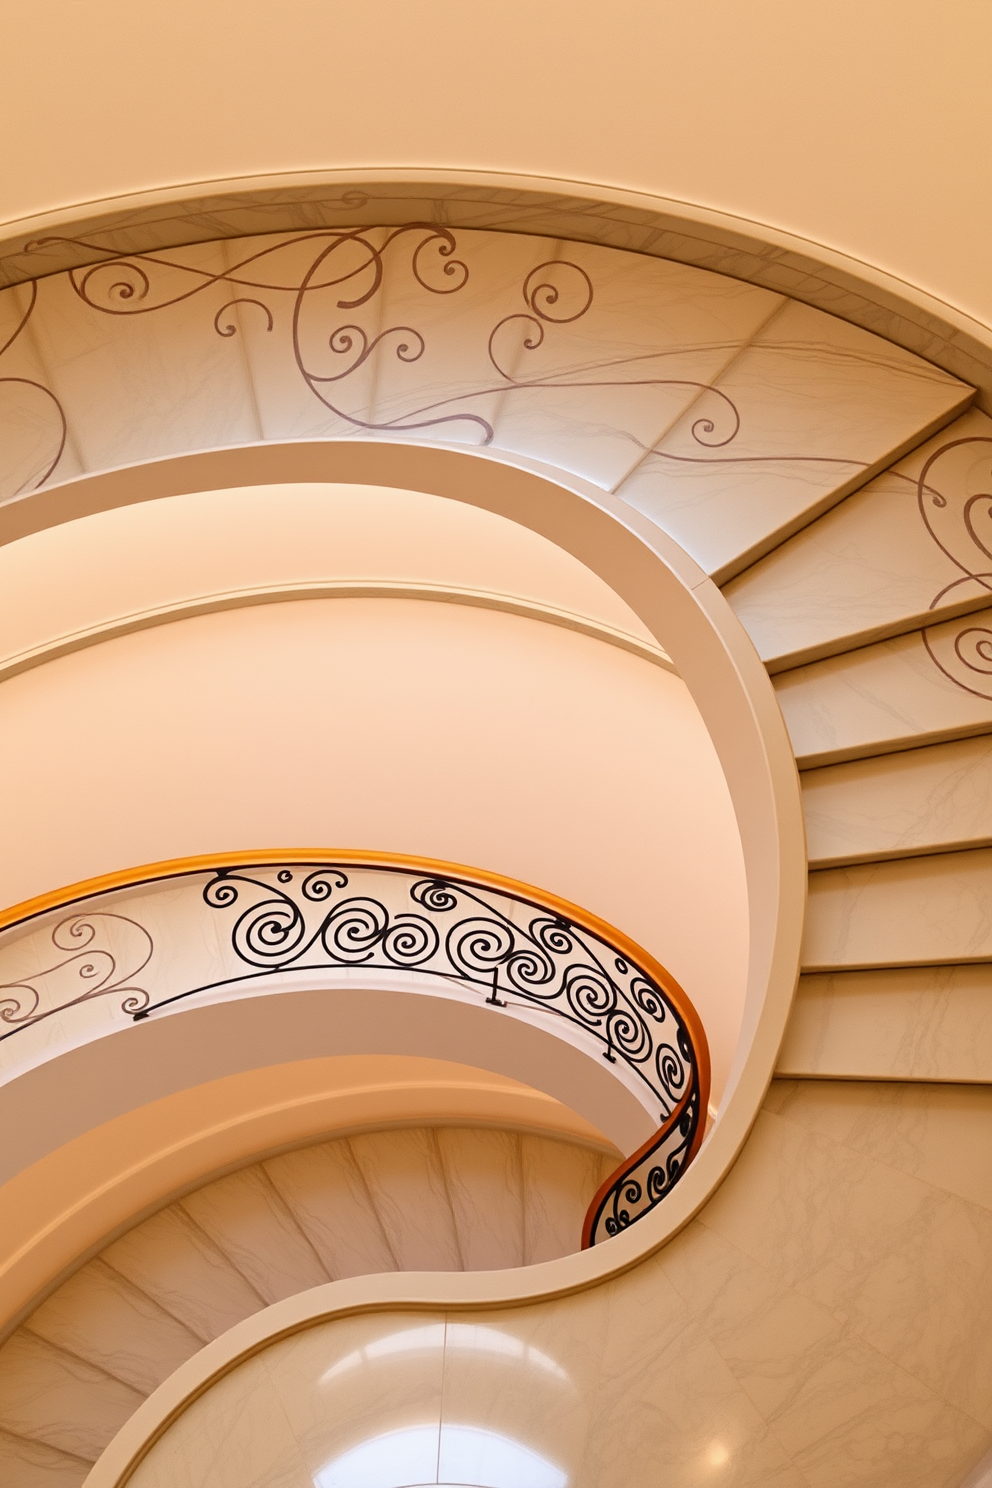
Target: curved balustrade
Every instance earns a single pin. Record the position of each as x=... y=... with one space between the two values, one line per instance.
x=257 y=918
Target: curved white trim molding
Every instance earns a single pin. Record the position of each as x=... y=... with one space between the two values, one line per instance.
x=681 y=607
x=211 y=604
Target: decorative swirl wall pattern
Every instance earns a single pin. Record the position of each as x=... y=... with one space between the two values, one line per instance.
x=962 y=528
x=101 y=956
x=345 y=271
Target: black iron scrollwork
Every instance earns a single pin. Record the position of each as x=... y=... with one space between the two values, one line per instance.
x=311 y=918
x=645 y=1178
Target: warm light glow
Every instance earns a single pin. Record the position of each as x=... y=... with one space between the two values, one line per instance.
x=442 y=1456
x=463 y=1337
x=717 y=1456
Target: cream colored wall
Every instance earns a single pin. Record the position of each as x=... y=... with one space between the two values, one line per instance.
x=860 y=127
x=444 y=731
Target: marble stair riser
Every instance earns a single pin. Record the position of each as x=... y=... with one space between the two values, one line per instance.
x=921 y=911
x=934 y=799
x=929 y=1023
x=919 y=689
x=887 y=560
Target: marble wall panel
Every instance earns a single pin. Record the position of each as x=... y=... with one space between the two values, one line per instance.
x=890 y=558
x=895 y=805
x=898 y=694
x=914 y=1023
x=824 y=1320
x=822 y=407
x=141 y=371
x=894 y=1261
x=908 y=912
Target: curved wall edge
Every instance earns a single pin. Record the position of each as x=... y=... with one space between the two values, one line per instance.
x=662 y=227
x=688 y=616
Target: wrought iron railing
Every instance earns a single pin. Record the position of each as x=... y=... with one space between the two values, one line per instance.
x=514 y=946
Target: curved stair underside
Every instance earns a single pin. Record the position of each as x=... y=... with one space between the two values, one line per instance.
x=846 y=522
x=440 y=1198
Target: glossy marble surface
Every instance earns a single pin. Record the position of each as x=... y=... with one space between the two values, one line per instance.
x=892 y=695
x=916 y=801
x=724 y=411
x=826 y=1319
x=909 y=912
x=913 y=1023
x=890 y=558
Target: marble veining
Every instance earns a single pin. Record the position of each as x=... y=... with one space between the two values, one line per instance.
x=425 y=1198
x=908 y=912
x=801 y=1332
x=925 y=800
x=730 y=415
x=887 y=696
x=893 y=556
x=913 y=1023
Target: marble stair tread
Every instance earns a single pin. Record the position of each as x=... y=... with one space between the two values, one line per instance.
x=484 y=1174
x=455 y=1197
x=908 y=912
x=933 y=799
x=918 y=689
x=931 y=1023
x=52 y=1397
x=27 y=1464
x=886 y=560
x=102 y=1318
x=247 y=1218
x=329 y=1197
x=408 y=1187
x=823 y=408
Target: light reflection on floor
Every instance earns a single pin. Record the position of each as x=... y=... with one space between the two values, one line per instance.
x=448 y=1455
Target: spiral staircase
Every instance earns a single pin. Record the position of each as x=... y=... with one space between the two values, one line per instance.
x=835 y=487
x=414 y=1199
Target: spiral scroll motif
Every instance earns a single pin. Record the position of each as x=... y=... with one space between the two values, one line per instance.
x=961 y=527
x=322 y=278
x=511 y=950
x=100 y=955
x=497 y=942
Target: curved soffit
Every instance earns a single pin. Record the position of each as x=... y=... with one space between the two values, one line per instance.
x=572 y=210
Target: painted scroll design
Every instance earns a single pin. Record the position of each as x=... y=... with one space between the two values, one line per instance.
x=327 y=275
x=96 y=956
x=961 y=526
x=36 y=403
